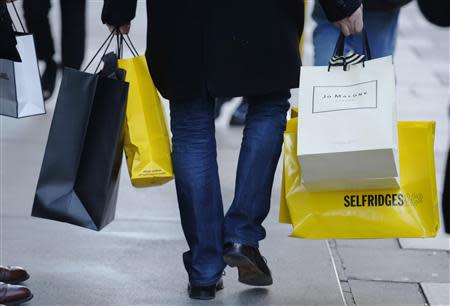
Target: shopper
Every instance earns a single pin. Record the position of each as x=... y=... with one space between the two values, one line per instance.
x=73 y=36
x=195 y=54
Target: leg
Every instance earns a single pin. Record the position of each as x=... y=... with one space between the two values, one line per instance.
x=36 y=17
x=260 y=152
x=73 y=13
x=325 y=36
x=198 y=188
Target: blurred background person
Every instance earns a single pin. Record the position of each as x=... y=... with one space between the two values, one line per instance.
x=239 y=114
x=380 y=23
x=8 y=48
x=73 y=15
x=10 y=292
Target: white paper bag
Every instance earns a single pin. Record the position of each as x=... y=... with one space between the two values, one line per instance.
x=20 y=89
x=347 y=137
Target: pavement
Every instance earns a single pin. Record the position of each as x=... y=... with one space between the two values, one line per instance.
x=137 y=259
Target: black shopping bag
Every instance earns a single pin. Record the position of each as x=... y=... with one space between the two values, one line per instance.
x=79 y=178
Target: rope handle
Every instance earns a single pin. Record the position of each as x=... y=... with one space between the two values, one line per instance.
x=107 y=42
x=129 y=44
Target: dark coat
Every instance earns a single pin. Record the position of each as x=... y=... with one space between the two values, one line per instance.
x=224 y=48
x=8 y=40
x=436 y=11
x=384 y=5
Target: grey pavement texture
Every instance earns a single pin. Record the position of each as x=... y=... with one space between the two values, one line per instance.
x=137 y=259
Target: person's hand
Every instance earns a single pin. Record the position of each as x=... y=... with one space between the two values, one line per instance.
x=353 y=24
x=123 y=29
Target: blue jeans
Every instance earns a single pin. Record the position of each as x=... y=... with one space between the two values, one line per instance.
x=197 y=179
x=381 y=27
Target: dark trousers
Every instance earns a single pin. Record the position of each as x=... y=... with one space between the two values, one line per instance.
x=73 y=14
x=446 y=197
x=197 y=179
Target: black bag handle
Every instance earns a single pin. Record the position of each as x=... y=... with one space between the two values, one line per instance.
x=107 y=42
x=121 y=38
x=340 y=45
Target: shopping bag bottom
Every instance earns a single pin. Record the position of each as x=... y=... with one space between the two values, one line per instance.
x=409 y=212
x=149 y=182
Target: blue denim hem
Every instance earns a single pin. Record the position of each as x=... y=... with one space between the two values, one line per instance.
x=242 y=241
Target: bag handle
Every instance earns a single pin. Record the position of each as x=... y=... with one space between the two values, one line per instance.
x=340 y=45
x=107 y=42
x=18 y=18
x=122 y=38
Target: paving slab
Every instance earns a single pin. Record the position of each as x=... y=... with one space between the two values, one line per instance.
x=396 y=265
x=437 y=294
x=442 y=242
x=370 y=293
x=369 y=243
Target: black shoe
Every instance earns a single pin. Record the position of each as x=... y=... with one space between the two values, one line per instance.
x=204 y=292
x=239 y=115
x=252 y=267
x=49 y=79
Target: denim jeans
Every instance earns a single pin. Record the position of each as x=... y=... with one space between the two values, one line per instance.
x=381 y=27
x=205 y=226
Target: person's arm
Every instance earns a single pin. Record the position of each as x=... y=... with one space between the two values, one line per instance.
x=347 y=15
x=118 y=13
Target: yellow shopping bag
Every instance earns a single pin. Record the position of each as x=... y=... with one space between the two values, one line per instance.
x=146 y=141
x=410 y=212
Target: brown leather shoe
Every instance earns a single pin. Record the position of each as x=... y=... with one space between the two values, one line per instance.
x=14 y=295
x=13 y=275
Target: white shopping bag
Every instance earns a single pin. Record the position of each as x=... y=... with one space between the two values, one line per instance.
x=20 y=82
x=28 y=82
x=347 y=132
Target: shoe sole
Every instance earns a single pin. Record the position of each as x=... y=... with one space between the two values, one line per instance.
x=16 y=303
x=249 y=273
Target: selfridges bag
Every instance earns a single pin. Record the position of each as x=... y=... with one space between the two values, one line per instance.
x=347 y=137
x=410 y=211
x=147 y=142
